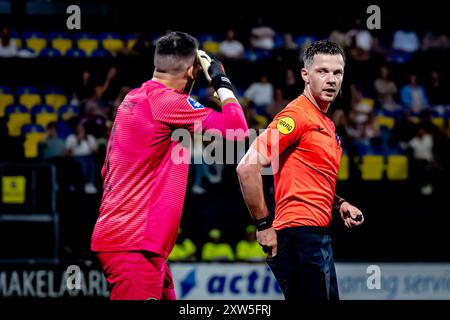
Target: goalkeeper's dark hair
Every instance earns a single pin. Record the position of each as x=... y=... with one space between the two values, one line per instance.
x=175 y=52
x=321 y=47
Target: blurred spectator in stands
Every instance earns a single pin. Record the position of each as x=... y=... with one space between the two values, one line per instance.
x=291 y=87
x=183 y=250
x=85 y=88
x=289 y=52
x=248 y=249
x=8 y=47
x=216 y=250
x=210 y=171
x=339 y=35
x=262 y=36
x=52 y=146
x=435 y=40
x=363 y=131
x=230 y=48
x=404 y=130
x=422 y=166
x=141 y=47
x=386 y=89
x=278 y=104
x=260 y=94
x=405 y=39
x=82 y=148
x=436 y=90
x=98 y=102
x=359 y=41
x=413 y=95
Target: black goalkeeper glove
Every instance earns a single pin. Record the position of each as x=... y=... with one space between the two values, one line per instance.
x=218 y=77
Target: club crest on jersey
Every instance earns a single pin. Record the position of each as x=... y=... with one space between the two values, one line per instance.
x=286 y=125
x=194 y=103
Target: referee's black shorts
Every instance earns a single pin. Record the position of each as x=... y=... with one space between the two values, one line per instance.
x=304 y=265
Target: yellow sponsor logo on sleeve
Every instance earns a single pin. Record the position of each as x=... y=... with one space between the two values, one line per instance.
x=286 y=125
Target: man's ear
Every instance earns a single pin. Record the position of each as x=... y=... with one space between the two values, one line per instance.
x=190 y=72
x=305 y=75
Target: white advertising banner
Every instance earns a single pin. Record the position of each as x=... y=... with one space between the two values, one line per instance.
x=356 y=281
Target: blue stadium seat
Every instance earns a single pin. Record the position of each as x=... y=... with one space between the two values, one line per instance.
x=101 y=53
x=67 y=111
x=49 y=53
x=75 y=53
x=42 y=108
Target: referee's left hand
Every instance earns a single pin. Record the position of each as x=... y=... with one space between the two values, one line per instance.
x=351 y=215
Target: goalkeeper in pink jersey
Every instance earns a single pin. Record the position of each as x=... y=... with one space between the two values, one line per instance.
x=143 y=187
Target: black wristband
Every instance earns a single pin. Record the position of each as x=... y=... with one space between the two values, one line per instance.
x=338 y=201
x=263 y=224
x=221 y=81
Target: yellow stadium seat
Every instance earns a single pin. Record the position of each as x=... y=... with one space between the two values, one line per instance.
x=29 y=100
x=211 y=46
x=18 y=42
x=438 y=122
x=131 y=43
x=16 y=121
x=372 y=167
x=55 y=100
x=5 y=100
x=88 y=45
x=343 y=168
x=31 y=144
x=397 y=167
x=415 y=119
x=62 y=45
x=37 y=44
x=112 y=45
x=385 y=121
x=45 y=118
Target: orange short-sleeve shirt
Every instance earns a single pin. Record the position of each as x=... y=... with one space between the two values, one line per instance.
x=305 y=153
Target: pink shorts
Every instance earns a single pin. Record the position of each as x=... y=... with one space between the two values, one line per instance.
x=137 y=275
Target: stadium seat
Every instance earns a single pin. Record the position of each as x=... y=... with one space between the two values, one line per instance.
x=372 y=167
x=28 y=96
x=303 y=40
x=130 y=40
x=33 y=134
x=49 y=53
x=86 y=42
x=397 y=167
x=44 y=114
x=55 y=100
x=111 y=41
x=75 y=53
x=15 y=37
x=100 y=53
x=6 y=99
x=67 y=112
x=35 y=40
x=60 y=41
x=385 y=121
x=343 y=173
x=18 y=116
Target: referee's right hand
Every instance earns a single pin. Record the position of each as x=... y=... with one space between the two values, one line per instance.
x=268 y=240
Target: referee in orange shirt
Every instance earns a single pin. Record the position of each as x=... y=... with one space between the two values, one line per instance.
x=305 y=152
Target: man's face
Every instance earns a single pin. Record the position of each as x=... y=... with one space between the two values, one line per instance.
x=325 y=76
